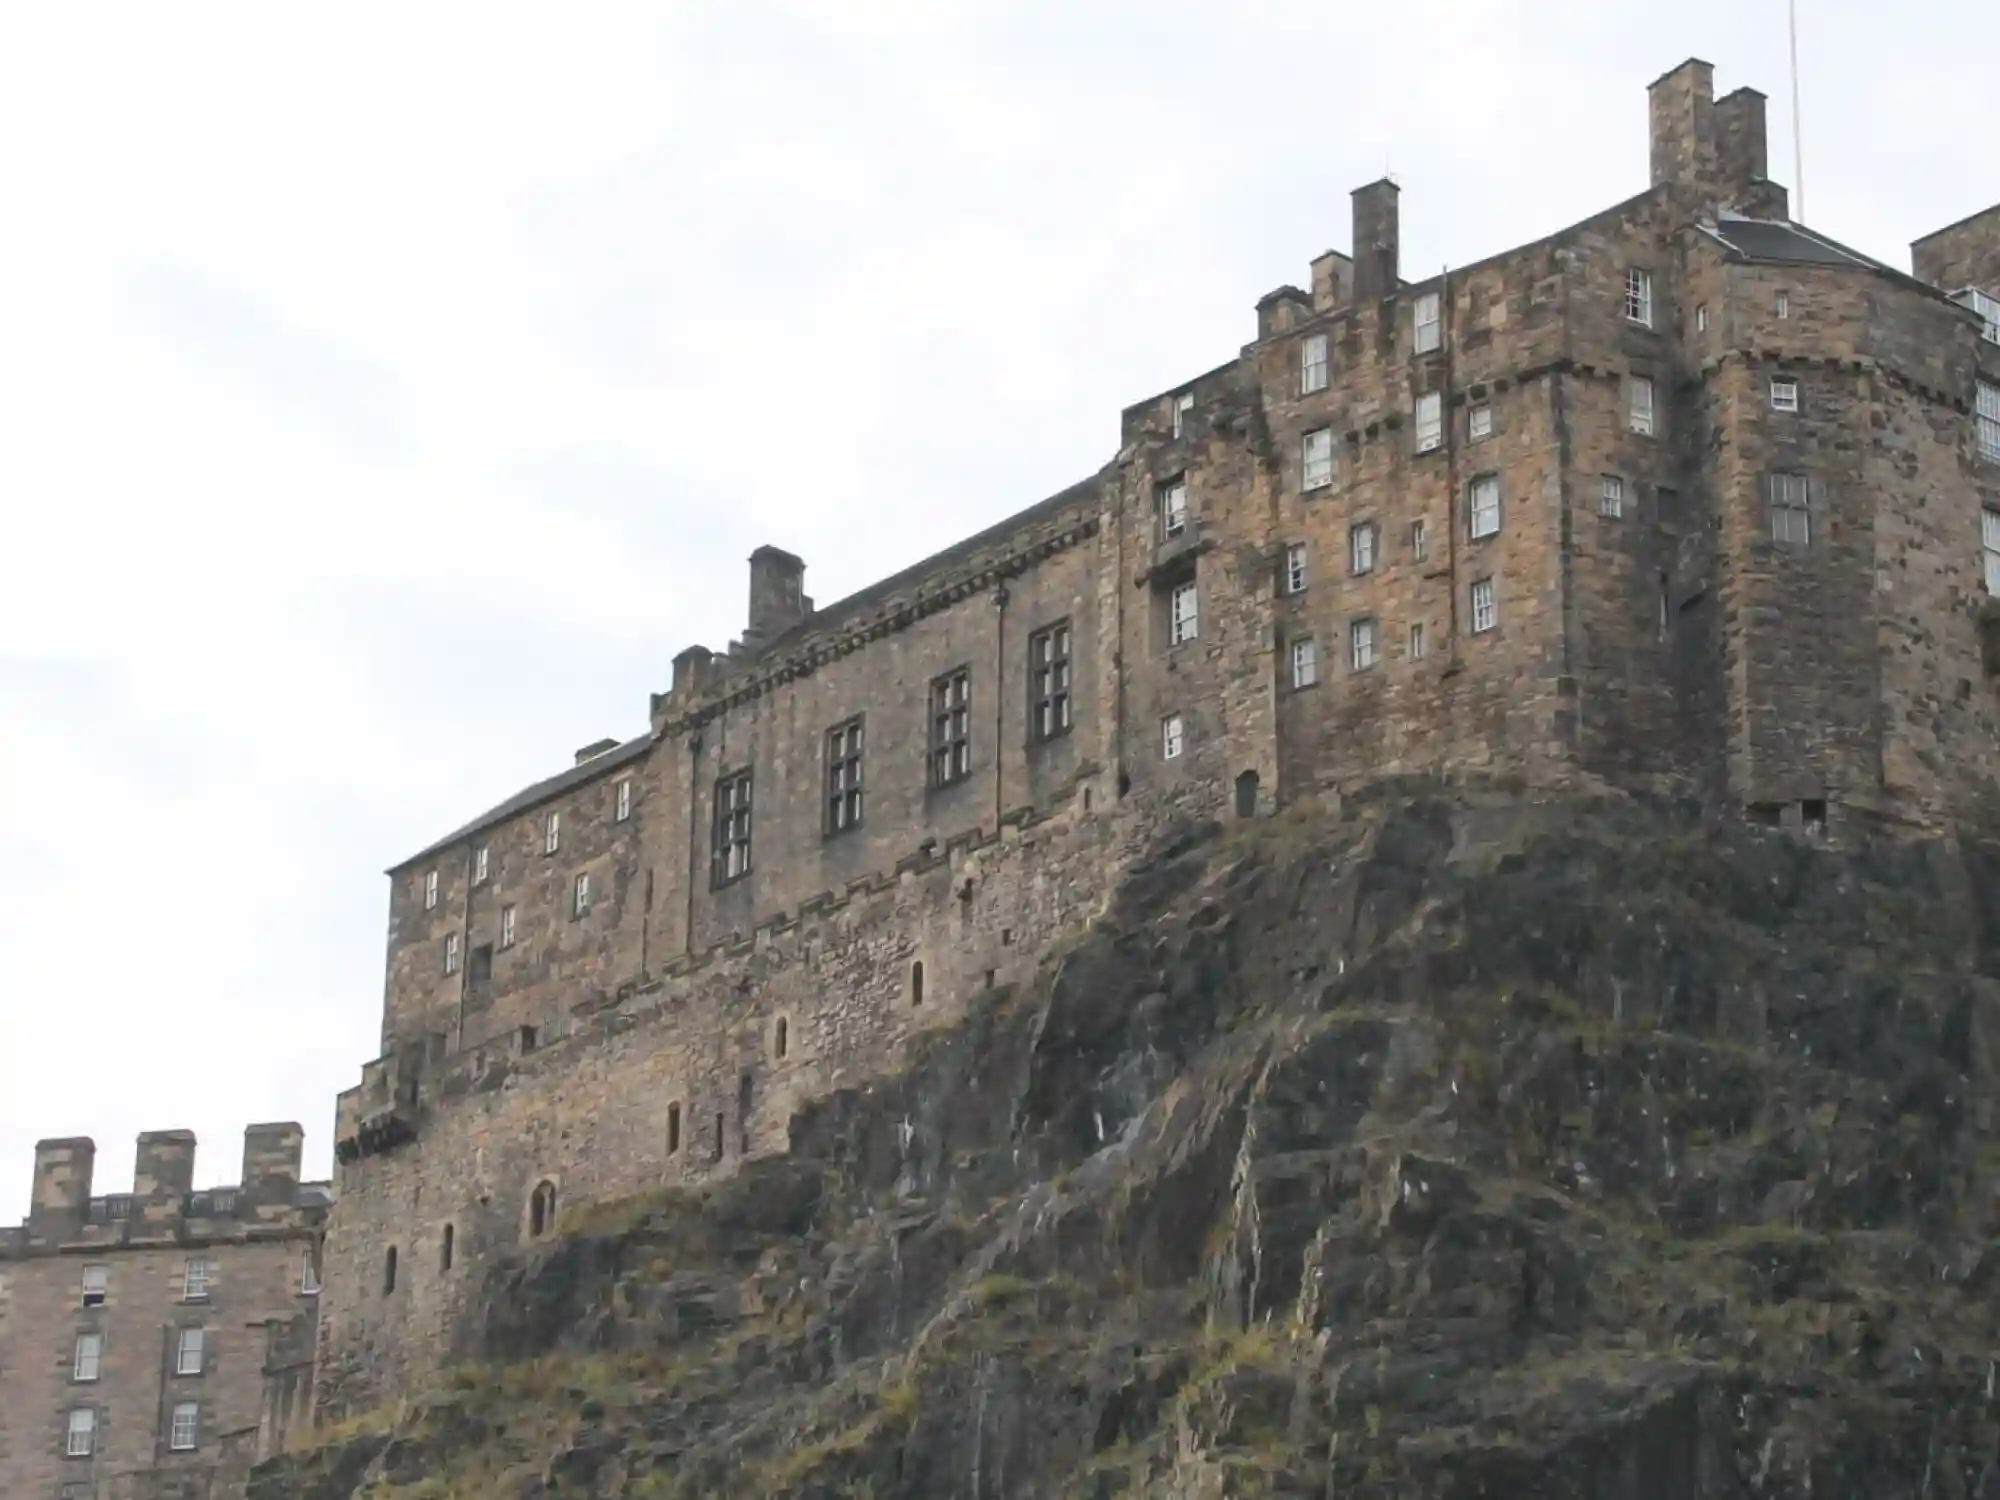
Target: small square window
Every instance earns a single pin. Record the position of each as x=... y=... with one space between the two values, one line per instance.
x=1361 y=645
x=1170 y=505
x=1639 y=297
x=1317 y=470
x=1420 y=541
x=1483 y=507
x=1611 y=496
x=580 y=895
x=1361 y=548
x=1791 y=510
x=624 y=801
x=184 y=1434
x=1417 y=642
x=481 y=864
x=1312 y=364
x=96 y=1283
x=1784 y=305
x=1639 y=391
x=1295 y=568
x=88 y=1359
x=197 y=1280
x=552 y=833
x=1183 y=619
x=82 y=1438
x=1784 y=395
x=430 y=890
x=1305 y=663
x=188 y=1352
x=1430 y=422
x=1172 y=740
x=1484 y=613
x=451 y=953
x=1183 y=409
x=506 y=926
x=1479 y=425
x=1428 y=323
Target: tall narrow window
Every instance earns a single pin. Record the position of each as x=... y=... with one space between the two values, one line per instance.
x=430 y=889
x=1483 y=506
x=1420 y=541
x=197 y=1280
x=1425 y=338
x=623 y=800
x=1183 y=618
x=579 y=901
x=1312 y=364
x=482 y=864
x=1639 y=390
x=1361 y=547
x=1611 y=496
x=1295 y=568
x=1986 y=420
x=1639 y=297
x=82 y=1440
x=188 y=1352
x=389 y=1270
x=96 y=1283
x=445 y=1248
x=1485 y=614
x=1701 y=318
x=1430 y=422
x=951 y=728
x=184 y=1435
x=308 y=1275
x=730 y=850
x=673 y=1129
x=541 y=1210
x=1479 y=424
x=89 y=1355
x=1784 y=305
x=1791 y=510
x=551 y=833
x=506 y=926
x=451 y=953
x=1183 y=409
x=1305 y=663
x=1989 y=540
x=1172 y=737
x=781 y=1038
x=1416 y=648
x=1317 y=466
x=843 y=777
x=1170 y=506
x=1361 y=645
x=917 y=983
x=1048 y=665
x=1784 y=395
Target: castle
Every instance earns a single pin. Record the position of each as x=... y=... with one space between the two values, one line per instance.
x=1684 y=498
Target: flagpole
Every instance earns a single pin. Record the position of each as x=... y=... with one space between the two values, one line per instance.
x=1798 y=142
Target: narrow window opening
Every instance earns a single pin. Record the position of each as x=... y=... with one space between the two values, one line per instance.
x=1246 y=795
x=744 y=1103
x=1049 y=667
x=389 y=1271
x=445 y=1249
x=917 y=983
x=720 y=1139
x=542 y=1210
x=673 y=1129
x=1812 y=813
x=781 y=1037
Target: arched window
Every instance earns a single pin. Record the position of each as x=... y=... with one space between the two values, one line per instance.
x=542 y=1210
x=673 y=1129
x=1246 y=795
x=781 y=1037
x=389 y=1271
x=917 y=983
x=444 y=1251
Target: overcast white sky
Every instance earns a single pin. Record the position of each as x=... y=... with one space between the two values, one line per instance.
x=388 y=392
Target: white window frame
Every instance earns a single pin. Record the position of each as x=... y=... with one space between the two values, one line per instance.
x=1183 y=409
x=1790 y=498
x=1784 y=304
x=1611 y=497
x=506 y=926
x=430 y=890
x=87 y=1359
x=1430 y=421
x=579 y=905
x=1183 y=614
x=197 y=1279
x=623 y=798
x=190 y=1351
x=80 y=1440
x=1173 y=737
x=1296 y=575
x=1313 y=370
x=1172 y=507
x=95 y=1285
x=1986 y=420
x=1361 y=548
x=1482 y=507
x=1639 y=397
x=451 y=953
x=482 y=864
x=1361 y=644
x=551 y=832
x=1416 y=646
x=184 y=1427
x=1428 y=320
x=1305 y=663
x=1784 y=395
x=1479 y=423
x=1420 y=540
x=1639 y=296
x=1316 y=459
x=1701 y=318
x=1485 y=606
x=1989 y=546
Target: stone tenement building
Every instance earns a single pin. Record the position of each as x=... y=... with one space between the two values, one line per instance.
x=1686 y=497
x=154 y=1343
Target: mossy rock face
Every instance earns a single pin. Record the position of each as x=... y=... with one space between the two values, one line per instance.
x=1468 y=1144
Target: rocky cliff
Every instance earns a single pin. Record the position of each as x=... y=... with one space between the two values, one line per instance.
x=1455 y=1145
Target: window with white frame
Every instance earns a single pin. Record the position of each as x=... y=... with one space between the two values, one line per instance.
x=197 y=1280
x=1986 y=420
x=451 y=953
x=1417 y=641
x=96 y=1284
x=482 y=864
x=1430 y=422
x=1479 y=424
x=506 y=926
x=1483 y=507
x=1611 y=496
x=1784 y=395
x=1428 y=323
x=1989 y=542
x=1791 y=512
x=1316 y=472
x=89 y=1357
x=1639 y=393
x=1361 y=644
x=1639 y=297
x=1420 y=541
x=1361 y=547
x=1305 y=662
x=1485 y=615
x=1784 y=305
x=1988 y=309
x=551 y=833
x=1170 y=505
x=188 y=1352
x=580 y=894
x=1312 y=364
x=623 y=798
x=1295 y=568
x=82 y=1437
x=1172 y=739
x=184 y=1433
x=430 y=889
x=1183 y=409
x=1183 y=622
x=1701 y=318
x=308 y=1275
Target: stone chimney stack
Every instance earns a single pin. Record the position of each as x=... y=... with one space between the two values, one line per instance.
x=777 y=595
x=164 y=1167
x=63 y=1171
x=1377 y=240
x=272 y=1155
x=1682 y=105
